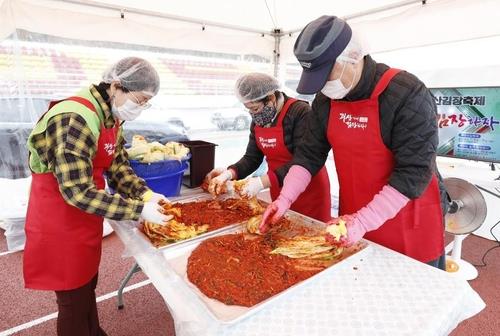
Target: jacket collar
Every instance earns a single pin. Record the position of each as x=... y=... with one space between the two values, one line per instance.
x=108 y=119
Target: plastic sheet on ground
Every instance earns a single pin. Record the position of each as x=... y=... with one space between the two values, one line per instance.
x=14 y=197
x=14 y=200
x=14 y=233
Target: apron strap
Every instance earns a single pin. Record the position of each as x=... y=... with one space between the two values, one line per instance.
x=83 y=101
x=383 y=82
x=80 y=100
x=284 y=110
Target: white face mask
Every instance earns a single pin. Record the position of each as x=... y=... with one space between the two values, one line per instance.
x=334 y=89
x=128 y=111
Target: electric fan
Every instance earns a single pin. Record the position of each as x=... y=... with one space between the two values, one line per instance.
x=466 y=214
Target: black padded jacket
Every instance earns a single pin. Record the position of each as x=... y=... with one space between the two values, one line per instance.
x=408 y=122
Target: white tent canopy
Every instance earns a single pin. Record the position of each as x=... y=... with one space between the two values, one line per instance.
x=441 y=34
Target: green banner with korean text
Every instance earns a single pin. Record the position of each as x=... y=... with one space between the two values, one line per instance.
x=469 y=122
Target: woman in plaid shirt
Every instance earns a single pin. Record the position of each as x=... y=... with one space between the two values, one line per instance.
x=72 y=146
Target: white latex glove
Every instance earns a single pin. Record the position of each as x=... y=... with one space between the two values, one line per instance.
x=156 y=197
x=217 y=183
x=230 y=189
x=213 y=173
x=252 y=187
x=152 y=212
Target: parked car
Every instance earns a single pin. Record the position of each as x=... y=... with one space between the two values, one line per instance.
x=18 y=115
x=155 y=131
x=235 y=117
x=178 y=122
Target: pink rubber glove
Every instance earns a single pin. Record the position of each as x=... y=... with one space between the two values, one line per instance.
x=384 y=206
x=294 y=184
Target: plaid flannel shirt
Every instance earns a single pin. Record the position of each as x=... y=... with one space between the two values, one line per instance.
x=67 y=148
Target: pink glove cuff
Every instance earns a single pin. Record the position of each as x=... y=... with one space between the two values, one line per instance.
x=294 y=184
x=384 y=206
x=296 y=181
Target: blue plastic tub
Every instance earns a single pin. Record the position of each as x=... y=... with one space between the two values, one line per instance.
x=160 y=168
x=169 y=184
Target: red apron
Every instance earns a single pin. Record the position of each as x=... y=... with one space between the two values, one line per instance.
x=315 y=201
x=364 y=165
x=63 y=243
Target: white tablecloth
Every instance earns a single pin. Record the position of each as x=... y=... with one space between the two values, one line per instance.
x=384 y=294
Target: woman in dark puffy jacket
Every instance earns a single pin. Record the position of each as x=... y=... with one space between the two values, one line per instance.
x=278 y=125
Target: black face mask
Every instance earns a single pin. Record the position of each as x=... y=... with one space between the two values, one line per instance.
x=265 y=116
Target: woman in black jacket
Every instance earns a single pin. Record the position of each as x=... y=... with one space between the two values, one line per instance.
x=278 y=125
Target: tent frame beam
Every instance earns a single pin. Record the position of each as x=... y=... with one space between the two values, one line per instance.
x=124 y=10
x=369 y=12
x=275 y=33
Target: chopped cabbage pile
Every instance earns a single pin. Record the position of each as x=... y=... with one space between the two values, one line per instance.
x=148 y=152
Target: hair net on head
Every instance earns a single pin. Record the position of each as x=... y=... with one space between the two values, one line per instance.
x=354 y=51
x=134 y=74
x=255 y=86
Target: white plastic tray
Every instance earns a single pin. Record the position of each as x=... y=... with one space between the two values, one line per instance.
x=203 y=236
x=177 y=258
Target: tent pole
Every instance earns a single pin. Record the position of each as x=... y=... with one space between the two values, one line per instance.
x=124 y=10
x=276 y=57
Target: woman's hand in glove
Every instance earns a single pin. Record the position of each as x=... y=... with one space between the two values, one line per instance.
x=384 y=206
x=274 y=212
x=343 y=231
x=214 y=173
x=217 y=184
x=153 y=213
x=252 y=187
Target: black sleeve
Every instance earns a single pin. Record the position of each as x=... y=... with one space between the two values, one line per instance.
x=295 y=128
x=414 y=139
x=313 y=149
x=251 y=160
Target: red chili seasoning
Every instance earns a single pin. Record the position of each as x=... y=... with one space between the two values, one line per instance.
x=238 y=269
x=215 y=213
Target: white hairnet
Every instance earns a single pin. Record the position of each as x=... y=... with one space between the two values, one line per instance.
x=354 y=51
x=255 y=86
x=134 y=74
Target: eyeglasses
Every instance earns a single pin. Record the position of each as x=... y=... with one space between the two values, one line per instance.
x=144 y=104
x=255 y=109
